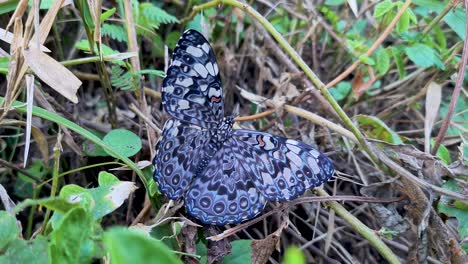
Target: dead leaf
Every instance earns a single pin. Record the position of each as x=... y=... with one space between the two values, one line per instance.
x=29 y=106
x=358 y=84
x=53 y=73
x=120 y=192
x=263 y=248
x=433 y=98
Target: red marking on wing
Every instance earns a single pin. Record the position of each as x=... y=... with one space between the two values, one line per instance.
x=261 y=143
x=215 y=99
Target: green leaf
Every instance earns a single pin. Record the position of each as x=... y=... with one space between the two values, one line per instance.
x=367 y=60
x=23 y=185
x=195 y=23
x=69 y=241
x=105 y=178
x=400 y=63
x=341 y=90
x=125 y=142
x=101 y=200
x=294 y=255
x=241 y=253
x=383 y=8
x=404 y=22
x=4 y=63
x=107 y=14
x=460 y=115
x=8 y=229
x=382 y=61
x=130 y=246
x=8 y=6
x=442 y=153
x=57 y=204
x=376 y=128
x=424 y=56
x=84 y=46
x=457 y=209
x=21 y=251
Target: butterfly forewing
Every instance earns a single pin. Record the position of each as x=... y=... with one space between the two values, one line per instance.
x=177 y=155
x=282 y=169
x=192 y=88
x=224 y=193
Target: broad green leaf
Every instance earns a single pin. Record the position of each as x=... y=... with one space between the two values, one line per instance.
x=403 y=23
x=22 y=251
x=457 y=209
x=382 y=61
x=57 y=204
x=101 y=200
x=69 y=242
x=294 y=255
x=123 y=141
x=442 y=153
x=383 y=8
x=23 y=185
x=84 y=46
x=131 y=246
x=8 y=229
x=424 y=56
x=241 y=252
x=341 y=90
x=377 y=129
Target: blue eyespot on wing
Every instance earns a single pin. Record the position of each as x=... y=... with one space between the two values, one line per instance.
x=282 y=169
x=177 y=154
x=192 y=90
x=224 y=193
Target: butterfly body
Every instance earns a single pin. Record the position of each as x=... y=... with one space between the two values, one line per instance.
x=225 y=175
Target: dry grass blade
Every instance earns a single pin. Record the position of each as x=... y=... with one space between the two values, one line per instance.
x=53 y=73
x=29 y=106
x=433 y=98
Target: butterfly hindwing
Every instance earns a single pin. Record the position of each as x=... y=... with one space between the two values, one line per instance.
x=177 y=155
x=192 y=89
x=282 y=169
x=224 y=193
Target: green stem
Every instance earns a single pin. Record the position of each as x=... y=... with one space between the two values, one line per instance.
x=362 y=229
x=55 y=173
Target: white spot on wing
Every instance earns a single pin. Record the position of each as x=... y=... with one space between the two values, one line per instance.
x=293 y=148
x=168 y=89
x=268 y=143
x=186 y=82
x=214 y=92
x=313 y=164
x=216 y=69
x=206 y=48
x=203 y=87
x=194 y=51
x=294 y=158
x=209 y=68
x=201 y=70
x=314 y=153
x=183 y=104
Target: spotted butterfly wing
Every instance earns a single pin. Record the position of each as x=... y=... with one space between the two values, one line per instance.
x=224 y=193
x=281 y=168
x=192 y=89
x=177 y=154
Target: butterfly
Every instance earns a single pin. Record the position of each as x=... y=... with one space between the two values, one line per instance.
x=225 y=175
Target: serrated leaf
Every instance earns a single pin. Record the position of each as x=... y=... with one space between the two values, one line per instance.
x=383 y=8
x=241 y=252
x=114 y=31
x=376 y=128
x=382 y=61
x=123 y=141
x=8 y=229
x=424 y=56
x=130 y=246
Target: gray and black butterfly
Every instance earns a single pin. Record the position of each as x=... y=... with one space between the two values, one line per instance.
x=225 y=175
